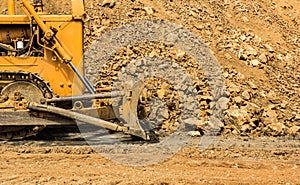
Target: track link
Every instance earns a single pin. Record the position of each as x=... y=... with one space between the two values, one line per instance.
x=19 y=131
x=27 y=77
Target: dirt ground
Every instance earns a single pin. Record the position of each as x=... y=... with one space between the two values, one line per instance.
x=230 y=160
x=256 y=43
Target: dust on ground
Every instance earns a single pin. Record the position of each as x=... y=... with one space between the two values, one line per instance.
x=229 y=160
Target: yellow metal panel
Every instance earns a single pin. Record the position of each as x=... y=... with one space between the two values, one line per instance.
x=11 y=7
x=78 y=8
x=58 y=74
x=23 y=19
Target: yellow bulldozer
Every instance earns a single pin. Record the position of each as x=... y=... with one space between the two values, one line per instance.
x=40 y=57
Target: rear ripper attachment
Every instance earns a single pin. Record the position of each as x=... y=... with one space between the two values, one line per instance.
x=40 y=56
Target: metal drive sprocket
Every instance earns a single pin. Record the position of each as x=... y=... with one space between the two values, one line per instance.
x=17 y=86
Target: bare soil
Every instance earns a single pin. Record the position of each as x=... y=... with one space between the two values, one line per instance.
x=230 y=160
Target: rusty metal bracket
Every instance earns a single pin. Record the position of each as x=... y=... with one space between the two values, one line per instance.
x=89 y=120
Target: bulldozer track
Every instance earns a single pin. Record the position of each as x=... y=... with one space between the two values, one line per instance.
x=19 y=132
x=70 y=135
x=27 y=77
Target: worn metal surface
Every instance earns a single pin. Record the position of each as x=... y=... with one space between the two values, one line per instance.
x=89 y=120
x=27 y=118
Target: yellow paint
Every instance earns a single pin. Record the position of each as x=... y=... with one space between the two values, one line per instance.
x=11 y=7
x=70 y=46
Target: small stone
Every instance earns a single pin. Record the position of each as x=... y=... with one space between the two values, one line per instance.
x=194 y=133
x=221 y=29
x=280 y=57
x=199 y=26
x=108 y=3
x=276 y=128
x=284 y=104
x=129 y=52
x=270 y=116
x=203 y=103
x=222 y=102
x=254 y=63
x=131 y=70
x=232 y=88
x=293 y=130
x=243 y=56
x=245 y=128
x=180 y=54
x=252 y=85
x=273 y=98
x=191 y=121
x=288 y=57
x=101 y=30
x=234 y=128
x=252 y=107
x=238 y=100
x=269 y=48
x=161 y=93
x=246 y=95
x=130 y=14
x=243 y=37
x=250 y=51
x=239 y=116
x=105 y=22
x=263 y=58
x=165 y=113
x=225 y=75
x=149 y=10
x=270 y=107
x=207 y=98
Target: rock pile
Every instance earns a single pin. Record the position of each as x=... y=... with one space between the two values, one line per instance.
x=161 y=101
x=257 y=44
